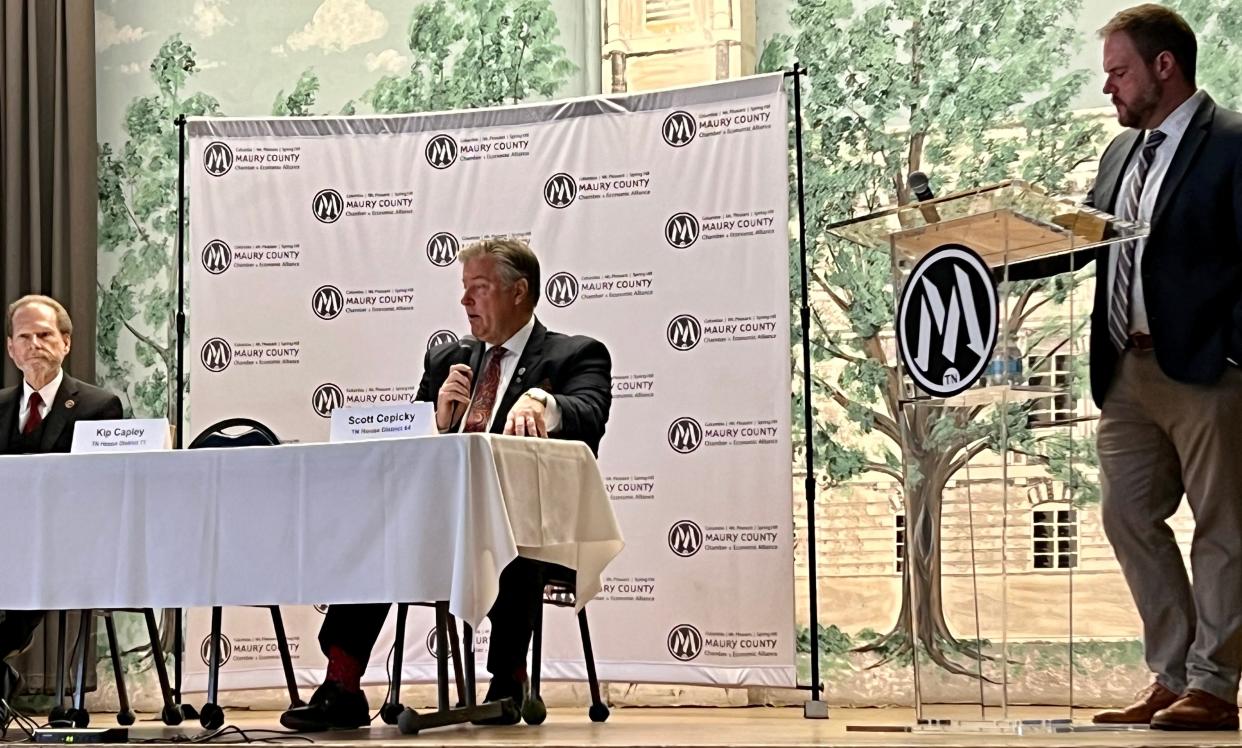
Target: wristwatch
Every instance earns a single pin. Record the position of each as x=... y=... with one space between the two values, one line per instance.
x=538 y=395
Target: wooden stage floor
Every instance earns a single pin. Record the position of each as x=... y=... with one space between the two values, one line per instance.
x=718 y=727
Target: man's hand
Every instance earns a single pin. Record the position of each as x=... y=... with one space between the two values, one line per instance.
x=454 y=391
x=526 y=418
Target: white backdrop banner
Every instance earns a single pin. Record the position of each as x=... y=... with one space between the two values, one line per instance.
x=322 y=268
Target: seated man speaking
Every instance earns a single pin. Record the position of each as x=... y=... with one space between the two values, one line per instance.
x=37 y=417
x=534 y=382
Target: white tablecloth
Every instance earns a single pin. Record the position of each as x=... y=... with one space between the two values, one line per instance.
x=432 y=518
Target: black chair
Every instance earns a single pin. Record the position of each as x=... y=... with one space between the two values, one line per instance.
x=252 y=434
x=77 y=713
x=558 y=590
x=392 y=708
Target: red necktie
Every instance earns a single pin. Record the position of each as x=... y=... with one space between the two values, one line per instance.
x=485 y=394
x=36 y=415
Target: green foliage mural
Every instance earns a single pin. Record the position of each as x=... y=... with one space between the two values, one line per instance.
x=1218 y=25
x=470 y=54
x=137 y=223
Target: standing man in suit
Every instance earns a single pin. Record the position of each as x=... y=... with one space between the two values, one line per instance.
x=1166 y=340
x=36 y=417
x=530 y=382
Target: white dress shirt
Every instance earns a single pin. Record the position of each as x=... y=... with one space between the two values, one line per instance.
x=47 y=392
x=508 y=365
x=1173 y=127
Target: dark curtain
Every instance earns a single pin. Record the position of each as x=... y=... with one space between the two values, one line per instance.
x=48 y=150
x=48 y=202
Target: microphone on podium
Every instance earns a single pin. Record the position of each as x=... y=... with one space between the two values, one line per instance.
x=920 y=185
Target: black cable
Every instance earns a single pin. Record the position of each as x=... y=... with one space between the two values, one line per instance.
x=13 y=717
x=230 y=731
x=388 y=672
x=28 y=726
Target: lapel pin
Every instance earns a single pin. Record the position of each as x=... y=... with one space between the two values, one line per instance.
x=70 y=403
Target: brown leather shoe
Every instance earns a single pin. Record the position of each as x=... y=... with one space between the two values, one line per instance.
x=1197 y=710
x=1147 y=702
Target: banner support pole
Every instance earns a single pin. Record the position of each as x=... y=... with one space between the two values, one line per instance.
x=816 y=708
x=179 y=380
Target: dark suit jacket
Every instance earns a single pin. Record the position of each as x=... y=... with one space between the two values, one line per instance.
x=575 y=369
x=1192 y=265
x=89 y=403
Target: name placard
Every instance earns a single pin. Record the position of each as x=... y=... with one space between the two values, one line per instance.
x=383 y=422
x=126 y=435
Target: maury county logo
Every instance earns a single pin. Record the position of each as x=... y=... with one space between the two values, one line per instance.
x=685 y=642
x=560 y=190
x=947 y=320
x=679 y=129
x=442 y=249
x=327 y=398
x=217 y=159
x=217 y=257
x=216 y=355
x=441 y=151
x=561 y=289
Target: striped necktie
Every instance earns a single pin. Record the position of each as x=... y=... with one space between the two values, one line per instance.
x=1128 y=209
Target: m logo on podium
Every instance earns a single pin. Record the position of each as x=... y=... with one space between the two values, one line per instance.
x=946 y=320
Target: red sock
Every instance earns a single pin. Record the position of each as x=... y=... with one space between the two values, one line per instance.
x=345 y=669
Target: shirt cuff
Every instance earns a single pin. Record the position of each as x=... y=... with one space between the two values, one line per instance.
x=551 y=411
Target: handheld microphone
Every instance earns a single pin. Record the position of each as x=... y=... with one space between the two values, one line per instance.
x=465 y=349
x=920 y=185
x=462 y=355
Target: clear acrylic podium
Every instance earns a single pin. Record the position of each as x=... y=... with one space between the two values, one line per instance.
x=993 y=427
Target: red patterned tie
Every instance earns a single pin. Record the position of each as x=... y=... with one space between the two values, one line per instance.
x=36 y=414
x=485 y=393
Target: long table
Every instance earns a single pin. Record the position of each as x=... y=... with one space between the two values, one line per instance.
x=421 y=519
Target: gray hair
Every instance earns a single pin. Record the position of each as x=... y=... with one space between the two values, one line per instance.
x=63 y=323
x=514 y=260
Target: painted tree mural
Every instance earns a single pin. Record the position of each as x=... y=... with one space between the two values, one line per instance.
x=969 y=92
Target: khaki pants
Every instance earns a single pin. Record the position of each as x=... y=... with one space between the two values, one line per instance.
x=1160 y=439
